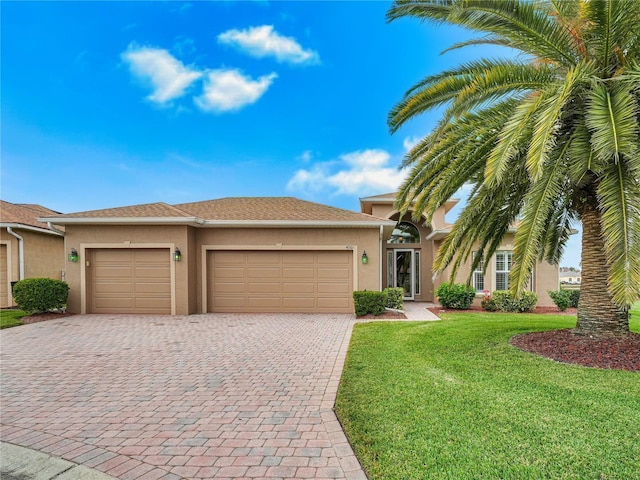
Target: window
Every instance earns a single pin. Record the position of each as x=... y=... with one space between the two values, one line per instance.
x=478 y=276
x=417 y=272
x=404 y=232
x=390 y=269
x=503 y=267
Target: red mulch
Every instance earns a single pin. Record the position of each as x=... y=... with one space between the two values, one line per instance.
x=622 y=353
x=384 y=316
x=41 y=317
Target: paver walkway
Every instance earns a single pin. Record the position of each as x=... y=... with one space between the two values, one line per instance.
x=160 y=397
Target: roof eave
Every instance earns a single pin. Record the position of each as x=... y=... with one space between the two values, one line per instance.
x=193 y=221
x=32 y=228
x=298 y=223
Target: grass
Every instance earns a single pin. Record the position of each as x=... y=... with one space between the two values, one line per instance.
x=453 y=400
x=11 y=318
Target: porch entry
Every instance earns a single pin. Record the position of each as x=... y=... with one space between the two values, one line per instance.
x=403 y=270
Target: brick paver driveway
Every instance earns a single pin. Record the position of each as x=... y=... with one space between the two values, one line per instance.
x=204 y=396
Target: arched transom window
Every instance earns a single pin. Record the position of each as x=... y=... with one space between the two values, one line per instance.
x=404 y=232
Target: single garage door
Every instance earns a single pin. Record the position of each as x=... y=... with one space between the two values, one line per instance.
x=4 y=278
x=280 y=281
x=124 y=280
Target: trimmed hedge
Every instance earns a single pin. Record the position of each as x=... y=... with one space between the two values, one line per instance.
x=366 y=302
x=395 y=297
x=574 y=298
x=508 y=303
x=562 y=298
x=456 y=295
x=35 y=295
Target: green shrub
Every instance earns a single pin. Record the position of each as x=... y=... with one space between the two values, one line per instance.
x=488 y=304
x=456 y=295
x=562 y=298
x=574 y=298
x=508 y=303
x=369 y=302
x=395 y=297
x=34 y=295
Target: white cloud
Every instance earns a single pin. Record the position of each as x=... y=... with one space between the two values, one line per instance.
x=167 y=75
x=305 y=156
x=226 y=90
x=263 y=41
x=410 y=142
x=360 y=172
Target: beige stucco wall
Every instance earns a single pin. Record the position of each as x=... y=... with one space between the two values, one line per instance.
x=84 y=236
x=546 y=276
x=188 y=275
x=43 y=254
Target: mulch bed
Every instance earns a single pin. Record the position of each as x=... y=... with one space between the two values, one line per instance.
x=622 y=353
x=42 y=317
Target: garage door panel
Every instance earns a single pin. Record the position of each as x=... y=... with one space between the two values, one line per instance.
x=130 y=281
x=299 y=287
x=109 y=288
x=232 y=258
x=263 y=272
x=290 y=272
x=228 y=287
x=335 y=258
x=229 y=272
x=304 y=303
x=263 y=257
x=266 y=287
x=235 y=302
x=336 y=303
x=334 y=273
x=341 y=288
x=280 y=281
x=299 y=258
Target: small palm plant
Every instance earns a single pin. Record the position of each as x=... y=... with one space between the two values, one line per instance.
x=546 y=138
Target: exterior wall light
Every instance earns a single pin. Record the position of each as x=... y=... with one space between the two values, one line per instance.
x=73 y=255
x=177 y=255
x=365 y=259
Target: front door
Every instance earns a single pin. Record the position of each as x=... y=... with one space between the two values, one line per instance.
x=403 y=271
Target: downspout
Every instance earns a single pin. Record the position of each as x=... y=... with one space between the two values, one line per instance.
x=381 y=258
x=54 y=229
x=20 y=250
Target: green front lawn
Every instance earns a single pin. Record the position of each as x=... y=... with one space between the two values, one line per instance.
x=453 y=400
x=10 y=318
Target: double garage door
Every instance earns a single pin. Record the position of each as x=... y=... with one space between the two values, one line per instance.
x=124 y=280
x=280 y=281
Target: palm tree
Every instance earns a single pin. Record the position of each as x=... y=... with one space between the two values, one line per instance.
x=546 y=138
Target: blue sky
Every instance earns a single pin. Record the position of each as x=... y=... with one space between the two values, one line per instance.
x=117 y=103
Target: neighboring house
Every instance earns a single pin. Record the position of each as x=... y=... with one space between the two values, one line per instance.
x=28 y=247
x=410 y=250
x=571 y=277
x=228 y=255
x=259 y=254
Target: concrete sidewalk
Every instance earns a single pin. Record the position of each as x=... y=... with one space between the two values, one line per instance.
x=19 y=463
x=418 y=311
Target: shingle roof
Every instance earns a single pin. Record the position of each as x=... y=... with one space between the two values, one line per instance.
x=270 y=209
x=231 y=209
x=148 y=210
x=24 y=214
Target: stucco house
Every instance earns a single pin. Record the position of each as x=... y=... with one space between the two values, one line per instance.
x=28 y=247
x=256 y=254
x=571 y=277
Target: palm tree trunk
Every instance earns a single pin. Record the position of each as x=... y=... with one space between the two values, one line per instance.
x=597 y=314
